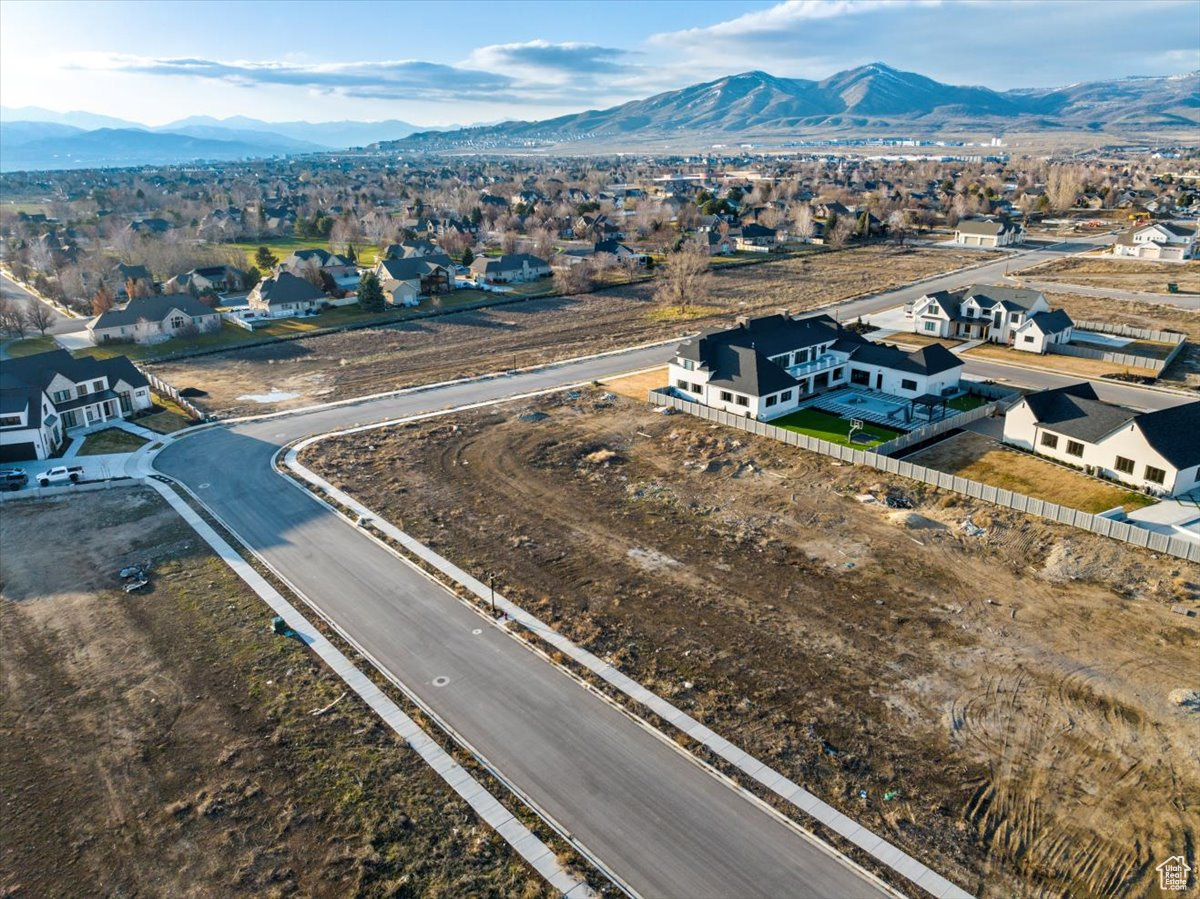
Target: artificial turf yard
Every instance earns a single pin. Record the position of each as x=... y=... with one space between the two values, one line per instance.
x=824 y=426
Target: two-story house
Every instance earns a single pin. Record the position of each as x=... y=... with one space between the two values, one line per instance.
x=44 y=396
x=1162 y=241
x=764 y=367
x=988 y=232
x=405 y=281
x=1014 y=316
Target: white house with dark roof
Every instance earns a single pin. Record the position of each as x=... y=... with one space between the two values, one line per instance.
x=1155 y=451
x=765 y=367
x=153 y=320
x=1161 y=241
x=988 y=232
x=1014 y=316
x=285 y=295
x=45 y=395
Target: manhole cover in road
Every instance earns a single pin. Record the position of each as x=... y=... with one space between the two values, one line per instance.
x=441 y=681
x=477 y=631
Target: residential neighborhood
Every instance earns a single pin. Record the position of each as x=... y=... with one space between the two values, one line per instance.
x=662 y=450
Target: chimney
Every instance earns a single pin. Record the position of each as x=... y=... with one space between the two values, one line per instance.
x=742 y=321
x=785 y=312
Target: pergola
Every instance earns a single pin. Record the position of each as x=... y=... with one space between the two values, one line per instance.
x=929 y=402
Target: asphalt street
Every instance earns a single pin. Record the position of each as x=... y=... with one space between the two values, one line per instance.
x=62 y=324
x=662 y=823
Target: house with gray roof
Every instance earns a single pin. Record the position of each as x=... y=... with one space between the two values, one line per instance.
x=405 y=281
x=217 y=278
x=990 y=232
x=44 y=396
x=766 y=367
x=285 y=295
x=1157 y=452
x=154 y=319
x=994 y=313
x=515 y=268
x=1161 y=241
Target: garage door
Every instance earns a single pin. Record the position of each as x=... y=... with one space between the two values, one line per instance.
x=17 y=452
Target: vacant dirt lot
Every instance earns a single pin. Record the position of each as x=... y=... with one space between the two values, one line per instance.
x=160 y=744
x=981 y=459
x=1012 y=690
x=361 y=362
x=1127 y=274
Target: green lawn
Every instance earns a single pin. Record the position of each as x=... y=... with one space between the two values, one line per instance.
x=832 y=428
x=283 y=247
x=110 y=440
x=30 y=345
x=968 y=402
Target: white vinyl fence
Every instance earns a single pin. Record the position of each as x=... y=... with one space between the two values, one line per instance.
x=162 y=387
x=1115 y=356
x=1096 y=524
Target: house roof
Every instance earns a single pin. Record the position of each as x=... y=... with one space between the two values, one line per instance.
x=132 y=272
x=986 y=227
x=1172 y=433
x=929 y=360
x=512 y=262
x=1076 y=411
x=413 y=267
x=287 y=288
x=1011 y=298
x=747 y=370
x=1051 y=322
x=153 y=309
x=38 y=370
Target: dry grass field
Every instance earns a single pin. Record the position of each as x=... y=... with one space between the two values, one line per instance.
x=534 y=332
x=982 y=459
x=1125 y=274
x=1003 y=702
x=161 y=743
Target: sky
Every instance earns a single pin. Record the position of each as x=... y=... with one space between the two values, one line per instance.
x=460 y=61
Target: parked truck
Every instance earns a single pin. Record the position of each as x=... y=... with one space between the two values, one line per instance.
x=63 y=474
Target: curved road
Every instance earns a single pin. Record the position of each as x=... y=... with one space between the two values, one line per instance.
x=662 y=823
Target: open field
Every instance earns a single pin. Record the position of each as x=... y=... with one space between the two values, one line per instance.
x=110 y=440
x=1123 y=274
x=637 y=386
x=161 y=743
x=1012 y=690
x=534 y=332
x=981 y=459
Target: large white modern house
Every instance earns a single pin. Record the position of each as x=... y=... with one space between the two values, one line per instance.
x=45 y=395
x=1156 y=451
x=1014 y=316
x=1161 y=241
x=765 y=367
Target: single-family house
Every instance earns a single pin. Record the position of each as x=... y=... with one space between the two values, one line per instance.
x=217 y=278
x=153 y=320
x=619 y=250
x=285 y=295
x=45 y=395
x=990 y=232
x=407 y=249
x=718 y=244
x=405 y=281
x=1155 y=451
x=764 y=367
x=515 y=268
x=136 y=276
x=1161 y=241
x=149 y=226
x=336 y=266
x=993 y=313
x=756 y=237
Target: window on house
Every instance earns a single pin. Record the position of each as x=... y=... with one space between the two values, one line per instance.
x=9 y=421
x=1074 y=448
x=838 y=373
x=696 y=388
x=681 y=384
x=930 y=326
x=1155 y=475
x=687 y=364
x=97 y=386
x=908 y=384
x=785 y=396
x=1123 y=465
x=1050 y=440
x=81 y=389
x=61 y=396
x=1028 y=338
x=933 y=309
x=726 y=396
x=177 y=321
x=742 y=400
x=772 y=400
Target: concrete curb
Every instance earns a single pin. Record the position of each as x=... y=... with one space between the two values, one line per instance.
x=539 y=856
x=772 y=780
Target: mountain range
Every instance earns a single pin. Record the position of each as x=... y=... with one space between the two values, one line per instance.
x=35 y=138
x=866 y=101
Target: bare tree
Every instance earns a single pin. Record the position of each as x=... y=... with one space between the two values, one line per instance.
x=39 y=317
x=1063 y=186
x=103 y=300
x=687 y=279
x=12 y=319
x=632 y=265
x=802 y=221
x=839 y=234
x=575 y=278
x=508 y=241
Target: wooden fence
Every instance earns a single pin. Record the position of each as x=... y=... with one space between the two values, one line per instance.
x=1181 y=547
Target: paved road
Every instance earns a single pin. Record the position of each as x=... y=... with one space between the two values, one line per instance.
x=62 y=324
x=662 y=823
x=1182 y=300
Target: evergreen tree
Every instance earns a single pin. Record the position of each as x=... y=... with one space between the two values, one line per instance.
x=370 y=294
x=468 y=257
